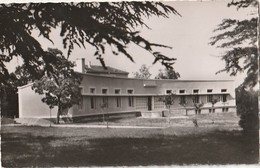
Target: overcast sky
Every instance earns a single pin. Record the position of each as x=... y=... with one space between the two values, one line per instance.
x=189 y=36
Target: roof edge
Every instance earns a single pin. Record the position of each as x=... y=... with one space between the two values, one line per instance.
x=177 y=80
x=24 y=86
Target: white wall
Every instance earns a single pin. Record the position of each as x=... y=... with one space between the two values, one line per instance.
x=31 y=106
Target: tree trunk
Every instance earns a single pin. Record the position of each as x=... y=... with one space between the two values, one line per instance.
x=58 y=115
x=169 y=115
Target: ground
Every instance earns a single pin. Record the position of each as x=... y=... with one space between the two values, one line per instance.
x=178 y=143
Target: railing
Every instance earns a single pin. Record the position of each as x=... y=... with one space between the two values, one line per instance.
x=202 y=110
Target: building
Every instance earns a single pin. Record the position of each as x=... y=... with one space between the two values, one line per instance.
x=111 y=91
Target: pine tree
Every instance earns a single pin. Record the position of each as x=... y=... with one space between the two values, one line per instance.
x=98 y=24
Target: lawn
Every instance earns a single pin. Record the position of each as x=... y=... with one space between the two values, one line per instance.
x=56 y=146
x=216 y=120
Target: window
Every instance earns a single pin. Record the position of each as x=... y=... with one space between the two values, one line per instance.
x=131 y=101
x=118 y=101
x=209 y=98
x=141 y=103
x=196 y=99
x=182 y=100
x=92 y=103
x=92 y=90
x=158 y=102
x=223 y=90
x=196 y=91
x=224 y=98
x=181 y=91
x=168 y=91
x=104 y=102
x=209 y=90
x=104 y=91
x=130 y=91
x=117 y=91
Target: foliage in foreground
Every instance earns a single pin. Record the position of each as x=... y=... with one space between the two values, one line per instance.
x=247 y=108
x=95 y=24
x=60 y=87
x=239 y=38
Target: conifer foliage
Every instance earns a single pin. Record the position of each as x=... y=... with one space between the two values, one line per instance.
x=98 y=24
x=239 y=37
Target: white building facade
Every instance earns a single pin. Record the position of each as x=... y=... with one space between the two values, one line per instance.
x=111 y=91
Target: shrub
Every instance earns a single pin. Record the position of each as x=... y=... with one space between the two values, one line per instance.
x=247 y=108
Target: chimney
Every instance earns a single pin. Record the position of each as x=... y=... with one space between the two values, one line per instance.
x=83 y=65
x=80 y=65
x=89 y=64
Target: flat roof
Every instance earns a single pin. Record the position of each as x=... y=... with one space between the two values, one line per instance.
x=176 y=80
x=127 y=78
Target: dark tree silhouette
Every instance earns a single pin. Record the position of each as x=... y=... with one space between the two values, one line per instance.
x=247 y=108
x=239 y=37
x=97 y=23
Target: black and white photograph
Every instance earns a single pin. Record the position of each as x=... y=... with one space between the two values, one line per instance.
x=129 y=83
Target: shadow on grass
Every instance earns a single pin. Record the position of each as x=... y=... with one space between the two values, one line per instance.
x=219 y=147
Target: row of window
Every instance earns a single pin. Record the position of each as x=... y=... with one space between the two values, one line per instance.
x=194 y=91
x=131 y=91
x=105 y=91
x=210 y=98
x=183 y=100
x=104 y=102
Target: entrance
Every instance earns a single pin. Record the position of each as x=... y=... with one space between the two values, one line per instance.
x=149 y=103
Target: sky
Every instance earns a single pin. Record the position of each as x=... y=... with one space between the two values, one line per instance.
x=188 y=35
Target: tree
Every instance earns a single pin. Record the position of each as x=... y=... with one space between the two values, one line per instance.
x=104 y=24
x=239 y=37
x=103 y=106
x=167 y=74
x=60 y=87
x=213 y=101
x=183 y=104
x=143 y=73
x=197 y=105
x=168 y=101
x=247 y=108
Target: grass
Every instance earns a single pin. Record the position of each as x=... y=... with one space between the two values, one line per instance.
x=5 y=120
x=220 y=120
x=39 y=146
x=219 y=143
